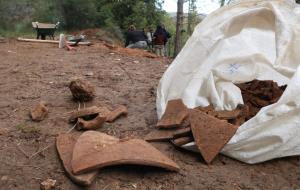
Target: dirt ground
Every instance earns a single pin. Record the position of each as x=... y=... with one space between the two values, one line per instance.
x=33 y=72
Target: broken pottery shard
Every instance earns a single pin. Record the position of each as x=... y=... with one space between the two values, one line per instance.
x=182 y=132
x=95 y=150
x=159 y=135
x=174 y=115
x=93 y=124
x=182 y=141
x=88 y=113
x=206 y=109
x=82 y=90
x=120 y=110
x=39 y=112
x=210 y=134
x=65 y=145
x=228 y=114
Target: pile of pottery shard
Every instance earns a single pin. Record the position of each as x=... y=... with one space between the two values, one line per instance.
x=210 y=129
x=84 y=156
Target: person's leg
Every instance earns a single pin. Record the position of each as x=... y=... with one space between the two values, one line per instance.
x=141 y=44
x=166 y=49
x=157 y=50
x=163 y=51
x=130 y=46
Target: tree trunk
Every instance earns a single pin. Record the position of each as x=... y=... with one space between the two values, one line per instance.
x=222 y=2
x=179 y=25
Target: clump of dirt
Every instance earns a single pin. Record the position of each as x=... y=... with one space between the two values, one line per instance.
x=39 y=112
x=82 y=90
x=258 y=94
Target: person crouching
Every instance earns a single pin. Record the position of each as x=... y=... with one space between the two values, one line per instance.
x=136 y=39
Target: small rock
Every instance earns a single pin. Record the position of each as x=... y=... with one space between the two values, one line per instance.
x=82 y=90
x=48 y=184
x=4 y=178
x=39 y=112
x=3 y=131
x=89 y=74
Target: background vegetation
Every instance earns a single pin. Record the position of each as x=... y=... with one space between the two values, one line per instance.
x=17 y=15
x=112 y=16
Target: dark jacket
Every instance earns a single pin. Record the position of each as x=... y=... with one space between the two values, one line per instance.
x=161 y=36
x=135 y=36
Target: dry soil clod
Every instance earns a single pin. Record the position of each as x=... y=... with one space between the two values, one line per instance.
x=39 y=112
x=82 y=90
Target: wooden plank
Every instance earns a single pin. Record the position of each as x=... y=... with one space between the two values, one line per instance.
x=51 y=41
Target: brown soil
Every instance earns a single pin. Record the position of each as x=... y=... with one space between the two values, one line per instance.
x=33 y=72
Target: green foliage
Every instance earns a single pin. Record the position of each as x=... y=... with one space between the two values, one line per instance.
x=112 y=15
x=27 y=128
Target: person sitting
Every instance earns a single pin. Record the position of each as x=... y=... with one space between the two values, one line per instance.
x=136 y=39
x=159 y=41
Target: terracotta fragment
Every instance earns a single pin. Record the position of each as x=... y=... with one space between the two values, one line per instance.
x=210 y=134
x=82 y=90
x=228 y=114
x=182 y=140
x=65 y=145
x=174 y=115
x=120 y=110
x=39 y=112
x=102 y=154
x=88 y=113
x=182 y=132
x=93 y=124
x=205 y=109
x=157 y=135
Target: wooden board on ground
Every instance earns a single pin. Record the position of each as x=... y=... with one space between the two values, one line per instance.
x=52 y=41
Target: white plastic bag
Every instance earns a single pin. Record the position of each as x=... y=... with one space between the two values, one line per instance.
x=236 y=44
